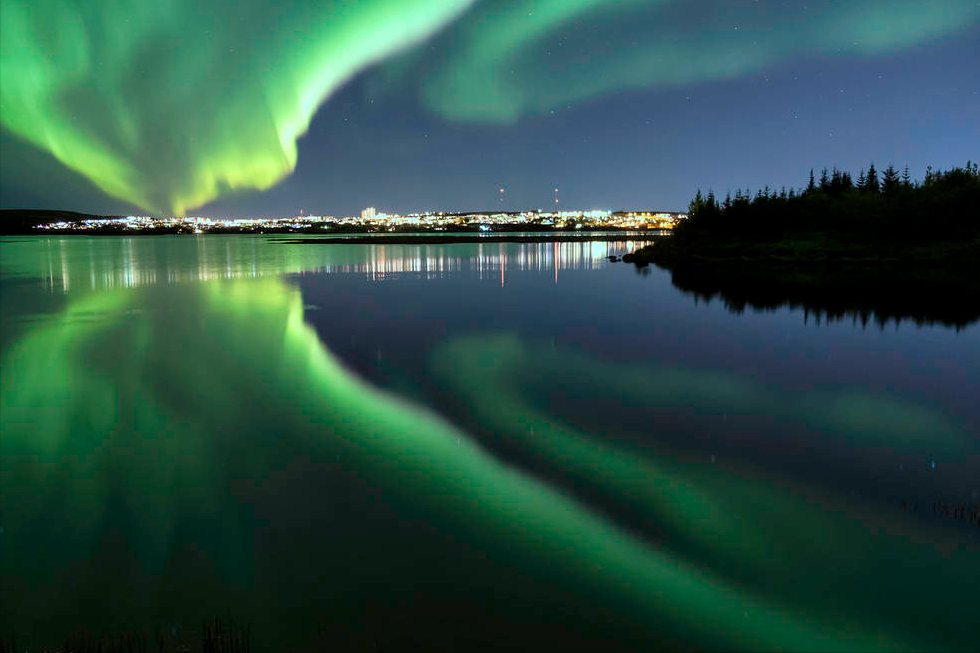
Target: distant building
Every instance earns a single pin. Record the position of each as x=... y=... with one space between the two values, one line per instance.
x=368 y=213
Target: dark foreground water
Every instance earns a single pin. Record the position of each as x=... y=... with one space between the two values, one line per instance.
x=469 y=446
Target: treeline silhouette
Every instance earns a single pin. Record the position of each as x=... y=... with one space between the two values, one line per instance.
x=881 y=247
x=887 y=206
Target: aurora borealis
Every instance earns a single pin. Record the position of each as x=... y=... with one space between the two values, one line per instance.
x=170 y=106
x=164 y=106
x=507 y=59
x=340 y=438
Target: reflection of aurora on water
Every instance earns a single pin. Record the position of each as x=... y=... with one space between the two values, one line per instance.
x=170 y=464
x=767 y=526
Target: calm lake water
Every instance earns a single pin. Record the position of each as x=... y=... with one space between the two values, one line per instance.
x=388 y=447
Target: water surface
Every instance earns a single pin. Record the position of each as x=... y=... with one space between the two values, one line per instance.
x=470 y=445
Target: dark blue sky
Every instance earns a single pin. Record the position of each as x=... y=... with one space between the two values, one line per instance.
x=378 y=142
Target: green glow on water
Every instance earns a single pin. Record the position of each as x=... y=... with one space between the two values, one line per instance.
x=794 y=540
x=146 y=448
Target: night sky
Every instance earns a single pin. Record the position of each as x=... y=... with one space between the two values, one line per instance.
x=407 y=105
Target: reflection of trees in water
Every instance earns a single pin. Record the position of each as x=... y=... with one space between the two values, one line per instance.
x=918 y=295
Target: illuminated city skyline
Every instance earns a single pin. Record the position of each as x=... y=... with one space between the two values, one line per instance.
x=373 y=220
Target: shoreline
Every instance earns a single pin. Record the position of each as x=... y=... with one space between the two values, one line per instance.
x=811 y=252
x=455 y=239
x=928 y=283
x=344 y=237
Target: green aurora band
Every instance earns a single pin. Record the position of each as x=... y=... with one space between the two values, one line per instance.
x=505 y=59
x=168 y=105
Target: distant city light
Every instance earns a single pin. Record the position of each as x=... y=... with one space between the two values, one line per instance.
x=372 y=220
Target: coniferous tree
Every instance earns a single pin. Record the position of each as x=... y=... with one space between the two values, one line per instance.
x=906 y=178
x=890 y=182
x=697 y=203
x=862 y=180
x=811 y=186
x=834 y=188
x=824 y=180
x=728 y=201
x=871 y=183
